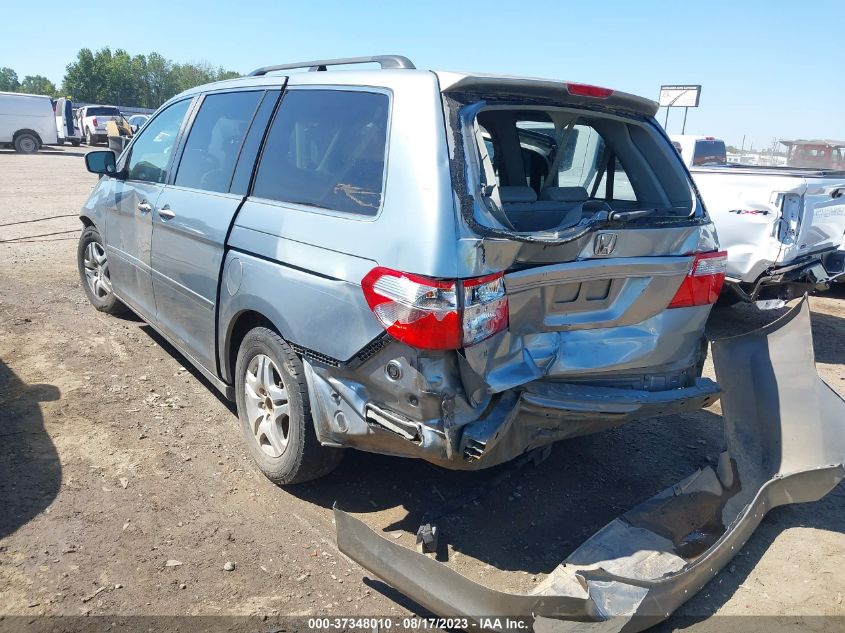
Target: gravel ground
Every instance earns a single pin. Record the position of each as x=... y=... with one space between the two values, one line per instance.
x=125 y=488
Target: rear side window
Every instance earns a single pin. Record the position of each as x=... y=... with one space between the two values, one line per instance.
x=102 y=111
x=215 y=139
x=326 y=148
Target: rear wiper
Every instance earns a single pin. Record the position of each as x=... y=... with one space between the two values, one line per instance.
x=623 y=216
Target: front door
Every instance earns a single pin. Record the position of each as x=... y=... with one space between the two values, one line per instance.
x=129 y=224
x=194 y=213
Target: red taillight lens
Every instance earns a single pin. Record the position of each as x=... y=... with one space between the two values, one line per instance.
x=585 y=90
x=703 y=283
x=425 y=313
x=94 y=121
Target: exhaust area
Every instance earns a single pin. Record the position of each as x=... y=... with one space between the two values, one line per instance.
x=785 y=443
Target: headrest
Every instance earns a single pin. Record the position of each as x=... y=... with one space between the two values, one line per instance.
x=564 y=194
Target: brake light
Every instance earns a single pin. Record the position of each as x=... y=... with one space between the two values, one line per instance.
x=426 y=313
x=585 y=90
x=703 y=282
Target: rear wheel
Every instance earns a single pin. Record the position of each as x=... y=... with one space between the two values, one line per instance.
x=89 y=138
x=94 y=272
x=26 y=143
x=275 y=411
x=75 y=143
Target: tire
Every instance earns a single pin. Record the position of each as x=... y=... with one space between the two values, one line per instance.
x=75 y=143
x=275 y=412
x=94 y=273
x=90 y=139
x=27 y=143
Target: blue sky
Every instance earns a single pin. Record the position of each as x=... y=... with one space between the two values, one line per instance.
x=768 y=68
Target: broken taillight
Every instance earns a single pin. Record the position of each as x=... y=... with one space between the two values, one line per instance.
x=485 y=308
x=433 y=314
x=703 y=282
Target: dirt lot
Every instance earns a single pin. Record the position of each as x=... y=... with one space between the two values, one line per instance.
x=117 y=462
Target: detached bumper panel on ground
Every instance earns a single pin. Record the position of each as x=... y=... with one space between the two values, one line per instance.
x=785 y=443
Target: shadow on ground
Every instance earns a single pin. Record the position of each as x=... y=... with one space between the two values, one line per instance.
x=30 y=472
x=533 y=520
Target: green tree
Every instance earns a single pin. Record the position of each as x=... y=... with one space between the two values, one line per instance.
x=159 y=81
x=118 y=78
x=8 y=80
x=83 y=78
x=38 y=85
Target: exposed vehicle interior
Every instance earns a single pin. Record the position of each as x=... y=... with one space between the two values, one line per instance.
x=547 y=169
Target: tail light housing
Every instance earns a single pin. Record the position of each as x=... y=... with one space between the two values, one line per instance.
x=703 y=282
x=434 y=314
x=586 y=90
x=94 y=121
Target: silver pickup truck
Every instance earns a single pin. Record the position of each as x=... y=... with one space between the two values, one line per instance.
x=783 y=227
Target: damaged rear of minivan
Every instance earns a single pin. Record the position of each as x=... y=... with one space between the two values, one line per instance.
x=587 y=267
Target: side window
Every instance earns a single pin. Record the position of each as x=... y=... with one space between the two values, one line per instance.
x=249 y=151
x=150 y=153
x=215 y=139
x=326 y=148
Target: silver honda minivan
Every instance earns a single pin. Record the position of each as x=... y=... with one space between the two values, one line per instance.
x=454 y=267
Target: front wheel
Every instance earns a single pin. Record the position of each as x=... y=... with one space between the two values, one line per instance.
x=94 y=272
x=275 y=411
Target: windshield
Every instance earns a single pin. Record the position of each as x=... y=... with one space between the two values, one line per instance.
x=102 y=111
x=709 y=152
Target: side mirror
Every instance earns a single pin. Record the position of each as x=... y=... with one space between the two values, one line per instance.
x=101 y=162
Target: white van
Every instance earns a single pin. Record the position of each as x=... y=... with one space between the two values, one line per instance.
x=26 y=121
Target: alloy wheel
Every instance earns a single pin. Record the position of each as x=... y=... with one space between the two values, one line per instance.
x=267 y=405
x=97 y=270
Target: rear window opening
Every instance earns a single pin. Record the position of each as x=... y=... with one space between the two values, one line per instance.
x=709 y=152
x=102 y=111
x=546 y=169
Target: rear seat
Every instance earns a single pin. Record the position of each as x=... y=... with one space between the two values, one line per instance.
x=558 y=208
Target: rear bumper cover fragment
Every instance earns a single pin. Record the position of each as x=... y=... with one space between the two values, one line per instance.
x=785 y=437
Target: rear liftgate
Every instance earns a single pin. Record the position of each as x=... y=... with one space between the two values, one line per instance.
x=785 y=436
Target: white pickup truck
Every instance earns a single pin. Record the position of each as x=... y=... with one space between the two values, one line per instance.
x=92 y=121
x=783 y=227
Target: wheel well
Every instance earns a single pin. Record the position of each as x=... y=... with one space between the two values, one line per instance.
x=28 y=131
x=244 y=322
x=86 y=221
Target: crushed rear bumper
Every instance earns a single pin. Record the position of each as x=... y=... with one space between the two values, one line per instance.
x=785 y=440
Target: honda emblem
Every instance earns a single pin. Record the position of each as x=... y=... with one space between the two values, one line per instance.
x=604 y=244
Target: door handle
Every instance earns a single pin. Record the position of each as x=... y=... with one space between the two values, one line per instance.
x=145 y=207
x=165 y=213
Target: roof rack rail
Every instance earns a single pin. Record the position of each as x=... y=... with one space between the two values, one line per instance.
x=385 y=61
